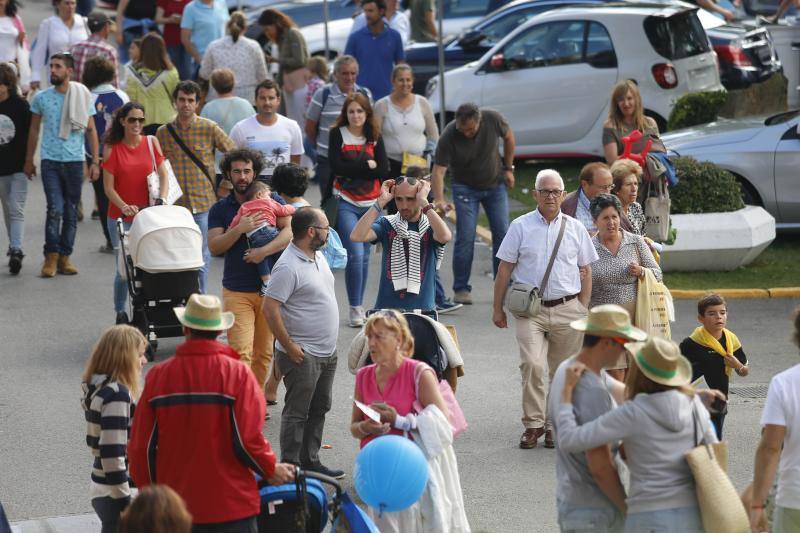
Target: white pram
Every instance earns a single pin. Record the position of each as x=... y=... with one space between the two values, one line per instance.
x=161 y=257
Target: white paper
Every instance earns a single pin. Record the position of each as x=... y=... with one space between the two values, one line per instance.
x=369 y=411
x=700 y=383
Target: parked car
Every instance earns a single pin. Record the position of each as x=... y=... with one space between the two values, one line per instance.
x=303 y=13
x=475 y=41
x=551 y=77
x=763 y=154
x=746 y=55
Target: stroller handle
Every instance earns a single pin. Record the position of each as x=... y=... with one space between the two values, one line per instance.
x=300 y=473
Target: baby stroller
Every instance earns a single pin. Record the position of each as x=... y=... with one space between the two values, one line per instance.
x=161 y=257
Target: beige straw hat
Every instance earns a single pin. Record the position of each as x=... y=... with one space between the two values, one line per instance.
x=609 y=320
x=204 y=312
x=660 y=360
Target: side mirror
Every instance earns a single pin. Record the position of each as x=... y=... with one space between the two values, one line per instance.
x=498 y=62
x=470 y=39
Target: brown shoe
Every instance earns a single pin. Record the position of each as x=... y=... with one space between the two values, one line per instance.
x=65 y=266
x=549 y=441
x=529 y=438
x=50 y=264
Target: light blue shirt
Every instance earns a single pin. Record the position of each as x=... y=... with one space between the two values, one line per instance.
x=583 y=214
x=226 y=112
x=48 y=104
x=206 y=22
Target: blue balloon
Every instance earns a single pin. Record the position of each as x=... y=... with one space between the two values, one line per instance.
x=390 y=473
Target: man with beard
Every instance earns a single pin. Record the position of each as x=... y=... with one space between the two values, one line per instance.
x=250 y=334
x=301 y=309
x=413 y=242
x=66 y=112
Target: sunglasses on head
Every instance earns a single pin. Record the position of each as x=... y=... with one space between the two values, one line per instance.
x=410 y=179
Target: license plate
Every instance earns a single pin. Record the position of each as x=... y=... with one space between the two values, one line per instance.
x=701 y=77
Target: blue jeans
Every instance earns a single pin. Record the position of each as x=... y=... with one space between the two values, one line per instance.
x=181 y=59
x=468 y=200
x=262 y=237
x=62 y=187
x=586 y=519
x=120 y=285
x=681 y=520
x=201 y=219
x=13 y=192
x=355 y=274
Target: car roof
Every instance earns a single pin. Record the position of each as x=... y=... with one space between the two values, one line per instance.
x=616 y=10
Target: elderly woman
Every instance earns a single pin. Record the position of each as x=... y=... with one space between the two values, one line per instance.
x=622 y=259
x=391 y=386
x=659 y=423
x=627 y=175
x=625 y=115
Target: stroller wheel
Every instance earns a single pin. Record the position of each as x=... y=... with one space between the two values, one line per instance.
x=150 y=354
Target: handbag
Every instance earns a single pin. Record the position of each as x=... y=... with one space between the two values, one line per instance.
x=154 y=180
x=721 y=509
x=656 y=212
x=458 y=423
x=196 y=160
x=411 y=160
x=335 y=254
x=652 y=310
x=330 y=206
x=525 y=300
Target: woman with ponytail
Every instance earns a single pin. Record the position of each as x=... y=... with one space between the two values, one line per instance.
x=240 y=54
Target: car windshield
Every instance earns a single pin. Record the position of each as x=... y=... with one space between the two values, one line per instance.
x=496 y=29
x=780 y=118
x=678 y=36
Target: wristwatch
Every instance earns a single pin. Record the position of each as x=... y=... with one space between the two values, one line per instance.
x=160 y=201
x=509 y=169
x=427 y=208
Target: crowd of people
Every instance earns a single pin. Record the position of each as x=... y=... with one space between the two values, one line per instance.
x=185 y=92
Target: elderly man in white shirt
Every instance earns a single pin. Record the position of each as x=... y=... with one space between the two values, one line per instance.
x=546 y=337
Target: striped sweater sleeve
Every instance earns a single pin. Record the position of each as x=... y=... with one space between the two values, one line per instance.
x=114 y=406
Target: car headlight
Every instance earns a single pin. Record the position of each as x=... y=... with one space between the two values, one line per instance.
x=431 y=86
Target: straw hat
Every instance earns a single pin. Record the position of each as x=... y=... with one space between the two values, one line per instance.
x=204 y=312
x=609 y=320
x=660 y=360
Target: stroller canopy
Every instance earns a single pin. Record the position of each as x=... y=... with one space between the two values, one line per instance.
x=165 y=238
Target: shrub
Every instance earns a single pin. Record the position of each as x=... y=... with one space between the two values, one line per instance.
x=696 y=108
x=704 y=188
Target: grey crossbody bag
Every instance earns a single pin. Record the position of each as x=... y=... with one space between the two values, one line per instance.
x=524 y=300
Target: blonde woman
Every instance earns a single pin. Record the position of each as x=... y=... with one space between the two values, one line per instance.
x=626 y=114
x=110 y=389
x=242 y=55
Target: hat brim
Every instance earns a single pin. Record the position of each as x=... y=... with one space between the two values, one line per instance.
x=226 y=321
x=683 y=373
x=629 y=332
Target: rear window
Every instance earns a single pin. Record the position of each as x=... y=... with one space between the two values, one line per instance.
x=678 y=36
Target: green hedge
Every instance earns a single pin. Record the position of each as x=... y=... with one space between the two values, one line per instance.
x=704 y=188
x=696 y=108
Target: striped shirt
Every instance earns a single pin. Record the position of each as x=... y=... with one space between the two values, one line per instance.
x=202 y=137
x=325 y=114
x=108 y=410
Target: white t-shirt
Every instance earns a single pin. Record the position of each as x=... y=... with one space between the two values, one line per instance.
x=277 y=143
x=8 y=39
x=783 y=409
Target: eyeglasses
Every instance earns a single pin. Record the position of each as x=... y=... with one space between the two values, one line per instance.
x=607 y=188
x=133 y=120
x=321 y=227
x=550 y=193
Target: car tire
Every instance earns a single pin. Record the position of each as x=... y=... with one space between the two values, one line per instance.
x=749 y=194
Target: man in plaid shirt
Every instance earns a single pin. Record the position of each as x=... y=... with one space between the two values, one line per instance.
x=201 y=137
x=96 y=45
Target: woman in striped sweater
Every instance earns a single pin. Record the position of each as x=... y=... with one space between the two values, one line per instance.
x=110 y=388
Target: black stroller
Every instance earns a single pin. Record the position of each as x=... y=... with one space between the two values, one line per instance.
x=161 y=257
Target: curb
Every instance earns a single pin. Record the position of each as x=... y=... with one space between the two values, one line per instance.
x=680 y=294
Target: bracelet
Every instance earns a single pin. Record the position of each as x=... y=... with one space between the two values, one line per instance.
x=427 y=208
x=377 y=207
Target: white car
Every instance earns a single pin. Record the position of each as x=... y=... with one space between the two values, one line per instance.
x=552 y=77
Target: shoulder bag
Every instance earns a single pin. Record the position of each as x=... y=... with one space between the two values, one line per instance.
x=721 y=508
x=196 y=160
x=154 y=180
x=525 y=300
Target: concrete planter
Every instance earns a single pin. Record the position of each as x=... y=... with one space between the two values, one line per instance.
x=718 y=241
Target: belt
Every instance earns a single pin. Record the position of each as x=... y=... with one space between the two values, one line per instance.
x=559 y=301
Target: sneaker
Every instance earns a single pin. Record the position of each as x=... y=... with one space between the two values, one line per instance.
x=447 y=306
x=15 y=256
x=356 y=316
x=319 y=468
x=263 y=290
x=122 y=318
x=463 y=297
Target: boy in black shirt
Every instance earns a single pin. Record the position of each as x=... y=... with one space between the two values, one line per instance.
x=714 y=351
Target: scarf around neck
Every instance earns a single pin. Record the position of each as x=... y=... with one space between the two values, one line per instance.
x=701 y=336
x=406 y=272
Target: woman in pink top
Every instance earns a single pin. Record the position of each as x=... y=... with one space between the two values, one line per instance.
x=388 y=385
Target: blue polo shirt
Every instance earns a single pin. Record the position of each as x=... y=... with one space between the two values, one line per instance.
x=376 y=55
x=388 y=298
x=237 y=274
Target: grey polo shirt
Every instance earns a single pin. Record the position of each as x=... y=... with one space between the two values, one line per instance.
x=308 y=301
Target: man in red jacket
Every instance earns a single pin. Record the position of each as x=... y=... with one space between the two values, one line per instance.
x=198 y=426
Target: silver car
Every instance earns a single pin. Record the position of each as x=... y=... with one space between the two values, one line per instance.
x=762 y=152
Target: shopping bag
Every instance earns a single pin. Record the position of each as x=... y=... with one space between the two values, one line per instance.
x=334 y=252
x=154 y=180
x=656 y=212
x=653 y=303
x=411 y=160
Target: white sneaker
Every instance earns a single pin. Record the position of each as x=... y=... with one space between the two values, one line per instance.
x=356 y=316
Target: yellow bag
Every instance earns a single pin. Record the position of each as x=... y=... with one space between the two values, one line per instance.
x=411 y=160
x=653 y=303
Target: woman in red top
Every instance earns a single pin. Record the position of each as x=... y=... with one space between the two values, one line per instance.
x=127 y=163
x=168 y=13
x=359 y=166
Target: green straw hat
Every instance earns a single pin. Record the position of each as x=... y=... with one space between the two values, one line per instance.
x=204 y=312
x=660 y=360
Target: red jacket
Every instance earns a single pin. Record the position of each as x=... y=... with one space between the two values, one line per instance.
x=198 y=429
